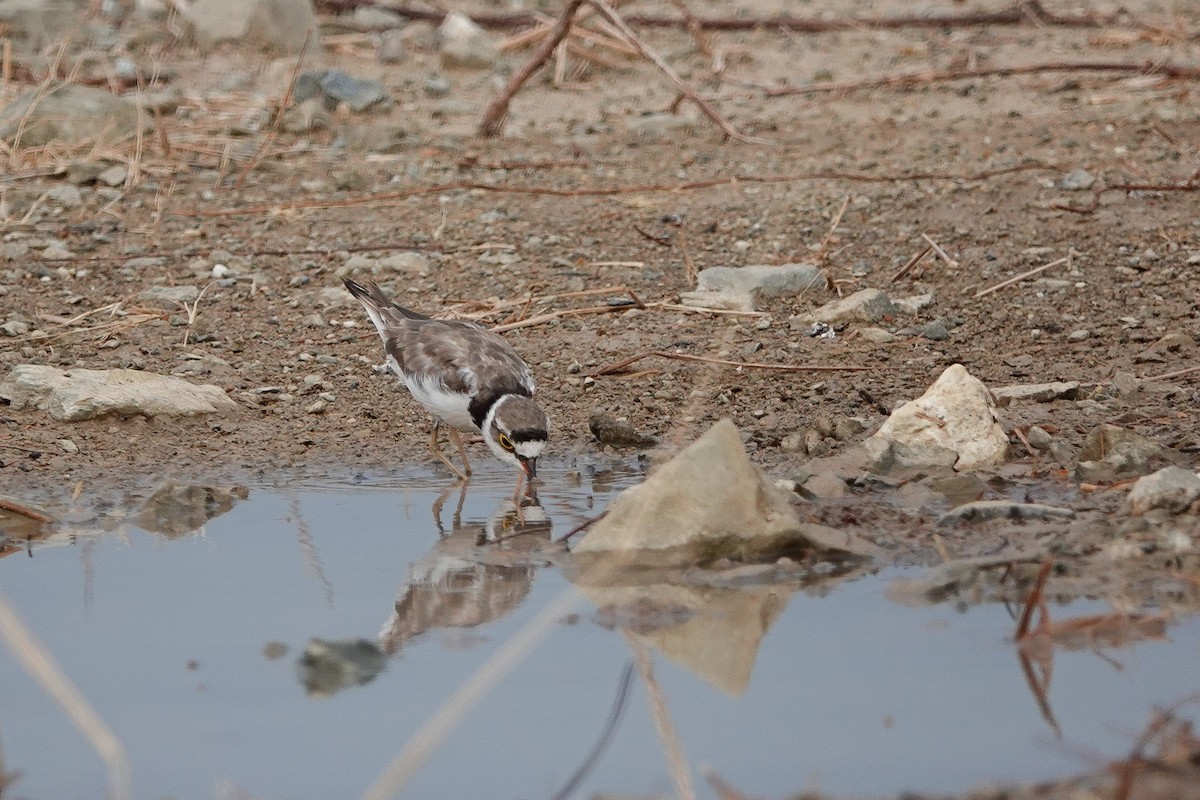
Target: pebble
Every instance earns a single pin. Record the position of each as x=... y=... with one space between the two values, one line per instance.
x=66 y=195
x=1079 y=335
x=67 y=446
x=1077 y=180
x=317 y=408
x=15 y=327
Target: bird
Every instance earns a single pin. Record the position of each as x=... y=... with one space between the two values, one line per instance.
x=467 y=377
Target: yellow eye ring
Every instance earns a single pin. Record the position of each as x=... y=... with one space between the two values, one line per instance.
x=505 y=442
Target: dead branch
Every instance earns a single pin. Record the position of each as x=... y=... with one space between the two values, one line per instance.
x=20 y=509
x=1022 y=12
x=609 y=191
x=1191 y=185
x=497 y=110
x=925 y=77
x=622 y=364
x=614 y=19
x=1016 y=278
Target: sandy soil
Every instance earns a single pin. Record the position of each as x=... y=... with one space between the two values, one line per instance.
x=559 y=205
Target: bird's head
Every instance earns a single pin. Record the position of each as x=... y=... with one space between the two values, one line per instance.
x=516 y=429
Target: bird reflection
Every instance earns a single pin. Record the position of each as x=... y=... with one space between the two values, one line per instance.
x=476 y=572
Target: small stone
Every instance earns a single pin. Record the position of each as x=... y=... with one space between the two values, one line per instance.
x=66 y=195
x=219 y=271
x=408 y=261
x=114 y=175
x=67 y=446
x=1076 y=180
x=876 y=335
x=825 y=485
x=15 y=327
x=464 y=44
x=317 y=408
x=392 y=49
x=437 y=85
x=1078 y=335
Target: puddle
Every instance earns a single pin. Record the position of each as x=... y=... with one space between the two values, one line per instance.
x=191 y=644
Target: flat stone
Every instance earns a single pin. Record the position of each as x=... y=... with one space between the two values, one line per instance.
x=1036 y=392
x=726 y=300
x=985 y=510
x=281 y=26
x=1170 y=488
x=618 y=433
x=79 y=394
x=866 y=305
x=763 y=280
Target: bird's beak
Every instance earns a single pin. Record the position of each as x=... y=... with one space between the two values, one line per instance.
x=530 y=467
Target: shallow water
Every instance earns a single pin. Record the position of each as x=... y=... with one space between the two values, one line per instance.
x=188 y=646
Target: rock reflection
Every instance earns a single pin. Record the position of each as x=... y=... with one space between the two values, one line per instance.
x=475 y=573
x=711 y=622
x=176 y=509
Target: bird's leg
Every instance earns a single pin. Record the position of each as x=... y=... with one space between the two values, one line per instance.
x=462 y=450
x=437 y=451
x=461 y=485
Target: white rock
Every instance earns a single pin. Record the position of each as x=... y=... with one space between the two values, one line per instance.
x=866 y=305
x=465 y=44
x=708 y=496
x=282 y=26
x=80 y=394
x=957 y=414
x=1172 y=488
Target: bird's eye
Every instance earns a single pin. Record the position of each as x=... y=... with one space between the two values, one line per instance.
x=506 y=442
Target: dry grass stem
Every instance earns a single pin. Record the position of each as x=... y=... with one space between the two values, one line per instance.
x=1018 y=278
x=681 y=774
x=43 y=668
x=20 y=509
x=622 y=364
x=424 y=742
x=950 y=262
x=912 y=263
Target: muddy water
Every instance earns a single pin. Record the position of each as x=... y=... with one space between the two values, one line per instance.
x=185 y=622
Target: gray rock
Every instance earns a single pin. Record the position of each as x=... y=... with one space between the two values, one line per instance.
x=611 y=431
x=80 y=394
x=935 y=331
x=69 y=113
x=170 y=295
x=726 y=300
x=1076 y=180
x=281 y=26
x=307 y=115
x=915 y=304
x=336 y=86
x=824 y=485
x=876 y=335
x=1111 y=453
x=15 y=327
x=885 y=456
x=437 y=85
x=764 y=280
x=66 y=195
x=706 y=503
x=866 y=305
x=407 y=261
x=1171 y=488
x=984 y=510
x=392 y=47
x=462 y=43
x=35 y=24
x=1078 y=335
x=955 y=414
x=1036 y=392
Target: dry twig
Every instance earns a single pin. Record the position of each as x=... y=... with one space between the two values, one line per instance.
x=1016 y=279
x=622 y=364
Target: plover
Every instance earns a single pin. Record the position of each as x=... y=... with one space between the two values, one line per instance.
x=466 y=376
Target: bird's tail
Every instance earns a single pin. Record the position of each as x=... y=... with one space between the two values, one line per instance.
x=380 y=308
